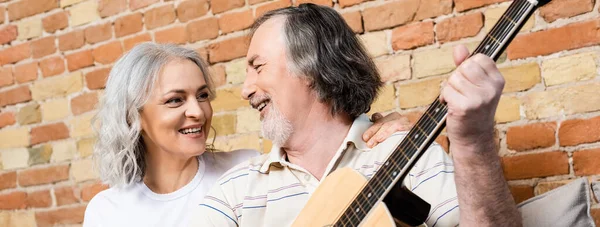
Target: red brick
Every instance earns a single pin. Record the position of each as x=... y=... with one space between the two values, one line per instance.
x=79 y=60
x=328 y=3
x=6 y=118
x=42 y=47
x=270 y=6
x=25 y=8
x=572 y=36
x=136 y=4
x=579 y=131
x=585 y=162
x=218 y=75
x=462 y=5
x=84 y=103
x=2 y=13
x=97 y=79
x=13 y=200
x=15 y=95
x=89 y=191
x=39 y=199
x=252 y=2
x=55 y=22
x=460 y=27
x=191 y=9
x=26 y=72
x=68 y=215
x=128 y=24
x=228 y=49
x=15 y=53
x=43 y=176
x=557 y=9
x=65 y=196
x=412 y=36
x=236 y=21
x=6 y=76
x=596 y=215
x=535 y=165
x=8 y=33
x=433 y=8
x=225 y=5
x=52 y=66
x=531 y=136
x=50 y=132
x=176 y=35
x=132 y=41
x=389 y=15
x=98 y=33
x=203 y=29
x=346 y=3
x=108 y=53
x=354 y=20
x=521 y=192
x=160 y=16
x=9 y=179
x=111 y=7
x=71 y=41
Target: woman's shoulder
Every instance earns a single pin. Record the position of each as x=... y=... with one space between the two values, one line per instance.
x=223 y=161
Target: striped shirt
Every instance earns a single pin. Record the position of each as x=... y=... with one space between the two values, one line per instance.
x=269 y=191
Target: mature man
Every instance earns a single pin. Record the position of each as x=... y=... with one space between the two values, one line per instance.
x=312 y=82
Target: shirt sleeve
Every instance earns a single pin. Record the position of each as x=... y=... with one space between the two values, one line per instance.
x=214 y=210
x=92 y=216
x=432 y=179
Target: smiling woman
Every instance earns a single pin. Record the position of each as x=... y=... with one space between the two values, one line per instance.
x=154 y=123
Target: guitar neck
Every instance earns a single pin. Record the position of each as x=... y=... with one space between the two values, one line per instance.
x=428 y=127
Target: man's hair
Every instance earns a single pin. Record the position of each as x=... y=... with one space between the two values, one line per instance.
x=323 y=48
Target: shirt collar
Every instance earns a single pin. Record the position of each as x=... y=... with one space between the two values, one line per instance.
x=359 y=126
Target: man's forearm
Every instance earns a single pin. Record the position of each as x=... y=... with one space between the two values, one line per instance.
x=483 y=193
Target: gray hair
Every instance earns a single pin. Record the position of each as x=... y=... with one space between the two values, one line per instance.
x=323 y=48
x=119 y=150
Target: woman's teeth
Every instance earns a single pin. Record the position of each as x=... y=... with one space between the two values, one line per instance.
x=190 y=130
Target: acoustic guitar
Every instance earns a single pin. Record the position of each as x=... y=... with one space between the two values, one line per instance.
x=347 y=198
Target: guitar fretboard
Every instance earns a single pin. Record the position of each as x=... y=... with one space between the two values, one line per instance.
x=427 y=128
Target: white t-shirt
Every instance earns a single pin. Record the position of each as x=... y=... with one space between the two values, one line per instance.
x=137 y=205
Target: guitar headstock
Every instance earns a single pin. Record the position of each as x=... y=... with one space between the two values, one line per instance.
x=542 y=2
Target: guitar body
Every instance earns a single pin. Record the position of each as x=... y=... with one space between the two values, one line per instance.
x=332 y=197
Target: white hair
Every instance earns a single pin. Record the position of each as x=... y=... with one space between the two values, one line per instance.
x=119 y=151
x=275 y=126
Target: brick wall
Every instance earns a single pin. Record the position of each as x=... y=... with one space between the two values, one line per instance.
x=55 y=56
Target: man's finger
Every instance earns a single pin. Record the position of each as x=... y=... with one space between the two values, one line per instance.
x=460 y=54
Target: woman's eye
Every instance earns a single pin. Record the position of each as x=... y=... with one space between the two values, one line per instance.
x=203 y=96
x=173 y=101
x=257 y=67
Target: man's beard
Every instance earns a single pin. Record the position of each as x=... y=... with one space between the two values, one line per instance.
x=275 y=126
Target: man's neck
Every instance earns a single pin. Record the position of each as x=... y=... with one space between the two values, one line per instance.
x=316 y=139
x=166 y=173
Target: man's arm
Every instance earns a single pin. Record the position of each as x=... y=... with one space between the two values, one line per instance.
x=214 y=210
x=472 y=95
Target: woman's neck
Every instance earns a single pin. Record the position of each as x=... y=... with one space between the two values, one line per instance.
x=165 y=173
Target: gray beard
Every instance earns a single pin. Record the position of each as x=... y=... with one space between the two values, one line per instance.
x=275 y=126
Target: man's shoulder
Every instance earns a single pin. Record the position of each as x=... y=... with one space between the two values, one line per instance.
x=242 y=170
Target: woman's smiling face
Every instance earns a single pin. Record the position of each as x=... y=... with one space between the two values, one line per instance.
x=177 y=116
